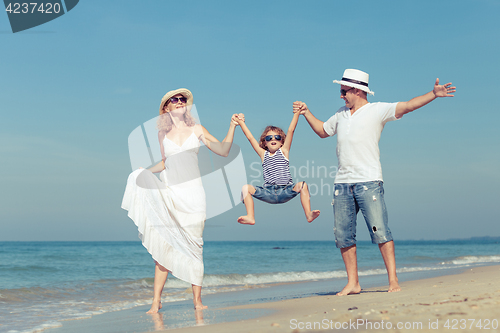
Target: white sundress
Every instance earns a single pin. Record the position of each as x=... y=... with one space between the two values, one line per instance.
x=170 y=213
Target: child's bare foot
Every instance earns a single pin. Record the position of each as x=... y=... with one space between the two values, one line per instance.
x=246 y=220
x=155 y=307
x=312 y=215
x=349 y=290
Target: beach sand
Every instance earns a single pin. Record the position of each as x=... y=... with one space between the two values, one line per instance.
x=451 y=303
x=464 y=302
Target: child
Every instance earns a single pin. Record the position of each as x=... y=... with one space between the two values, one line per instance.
x=273 y=149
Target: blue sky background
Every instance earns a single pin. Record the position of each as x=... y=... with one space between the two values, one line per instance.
x=73 y=89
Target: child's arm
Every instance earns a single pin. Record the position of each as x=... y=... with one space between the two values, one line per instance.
x=289 y=135
x=251 y=139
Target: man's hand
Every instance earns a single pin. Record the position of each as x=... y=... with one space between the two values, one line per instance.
x=443 y=90
x=300 y=107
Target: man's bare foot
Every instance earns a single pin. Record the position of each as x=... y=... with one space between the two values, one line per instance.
x=349 y=290
x=246 y=220
x=394 y=287
x=155 y=307
x=312 y=215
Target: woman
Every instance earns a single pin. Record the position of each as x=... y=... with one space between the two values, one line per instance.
x=170 y=213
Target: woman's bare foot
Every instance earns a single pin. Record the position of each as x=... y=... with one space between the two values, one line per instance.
x=198 y=316
x=199 y=306
x=312 y=215
x=158 y=321
x=349 y=290
x=246 y=220
x=155 y=307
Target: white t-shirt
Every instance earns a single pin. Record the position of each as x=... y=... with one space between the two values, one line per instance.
x=357 y=140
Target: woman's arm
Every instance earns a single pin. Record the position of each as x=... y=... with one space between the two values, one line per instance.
x=161 y=165
x=251 y=139
x=158 y=167
x=289 y=134
x=220 y=148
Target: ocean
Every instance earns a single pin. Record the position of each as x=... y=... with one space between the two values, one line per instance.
x=45 y=283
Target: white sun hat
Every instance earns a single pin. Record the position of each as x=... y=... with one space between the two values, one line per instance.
x=356 y=79
x=183 y=91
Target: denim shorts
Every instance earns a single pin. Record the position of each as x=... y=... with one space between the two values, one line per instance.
x=275 y=194
x=348 y=200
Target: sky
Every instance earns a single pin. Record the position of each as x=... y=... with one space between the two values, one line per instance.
x=72 y=90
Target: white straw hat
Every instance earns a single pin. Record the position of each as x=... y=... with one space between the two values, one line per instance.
x=356 y=79
x=183 y=91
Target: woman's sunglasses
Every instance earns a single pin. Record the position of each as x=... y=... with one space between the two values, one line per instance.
x=174 y=100
x=270 y=137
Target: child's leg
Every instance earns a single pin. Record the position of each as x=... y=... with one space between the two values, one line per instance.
x=247 y=192
x=305 y=200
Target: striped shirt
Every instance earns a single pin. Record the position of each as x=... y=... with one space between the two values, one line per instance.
x=276 y=169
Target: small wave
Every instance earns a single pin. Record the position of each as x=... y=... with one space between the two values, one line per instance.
x=256 y=279
x=465 y=260
x=44 y=326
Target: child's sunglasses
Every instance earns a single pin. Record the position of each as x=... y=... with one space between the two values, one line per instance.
x=270 y=137
x=174 y=100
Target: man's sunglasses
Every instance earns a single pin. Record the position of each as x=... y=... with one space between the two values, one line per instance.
x=270 y=137
x=343 y=91
x=175 y=100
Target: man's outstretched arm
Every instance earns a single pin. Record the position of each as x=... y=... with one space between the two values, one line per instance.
x=444 y=90
x=315 y=123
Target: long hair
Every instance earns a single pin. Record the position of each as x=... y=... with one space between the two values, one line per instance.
x=262 y=141
x=165 y=122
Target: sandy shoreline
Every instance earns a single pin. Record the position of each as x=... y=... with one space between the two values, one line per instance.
x=464 y=301
x=440 y=304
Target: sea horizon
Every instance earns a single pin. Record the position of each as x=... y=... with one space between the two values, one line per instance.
x=492 y=238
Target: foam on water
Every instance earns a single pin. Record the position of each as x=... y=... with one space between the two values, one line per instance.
x=474 y=260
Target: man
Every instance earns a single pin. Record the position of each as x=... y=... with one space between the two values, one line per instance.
x=359 y=183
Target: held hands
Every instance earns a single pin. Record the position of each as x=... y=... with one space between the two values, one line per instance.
x=443 y=90
x=300 y=107
x=238 y=118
